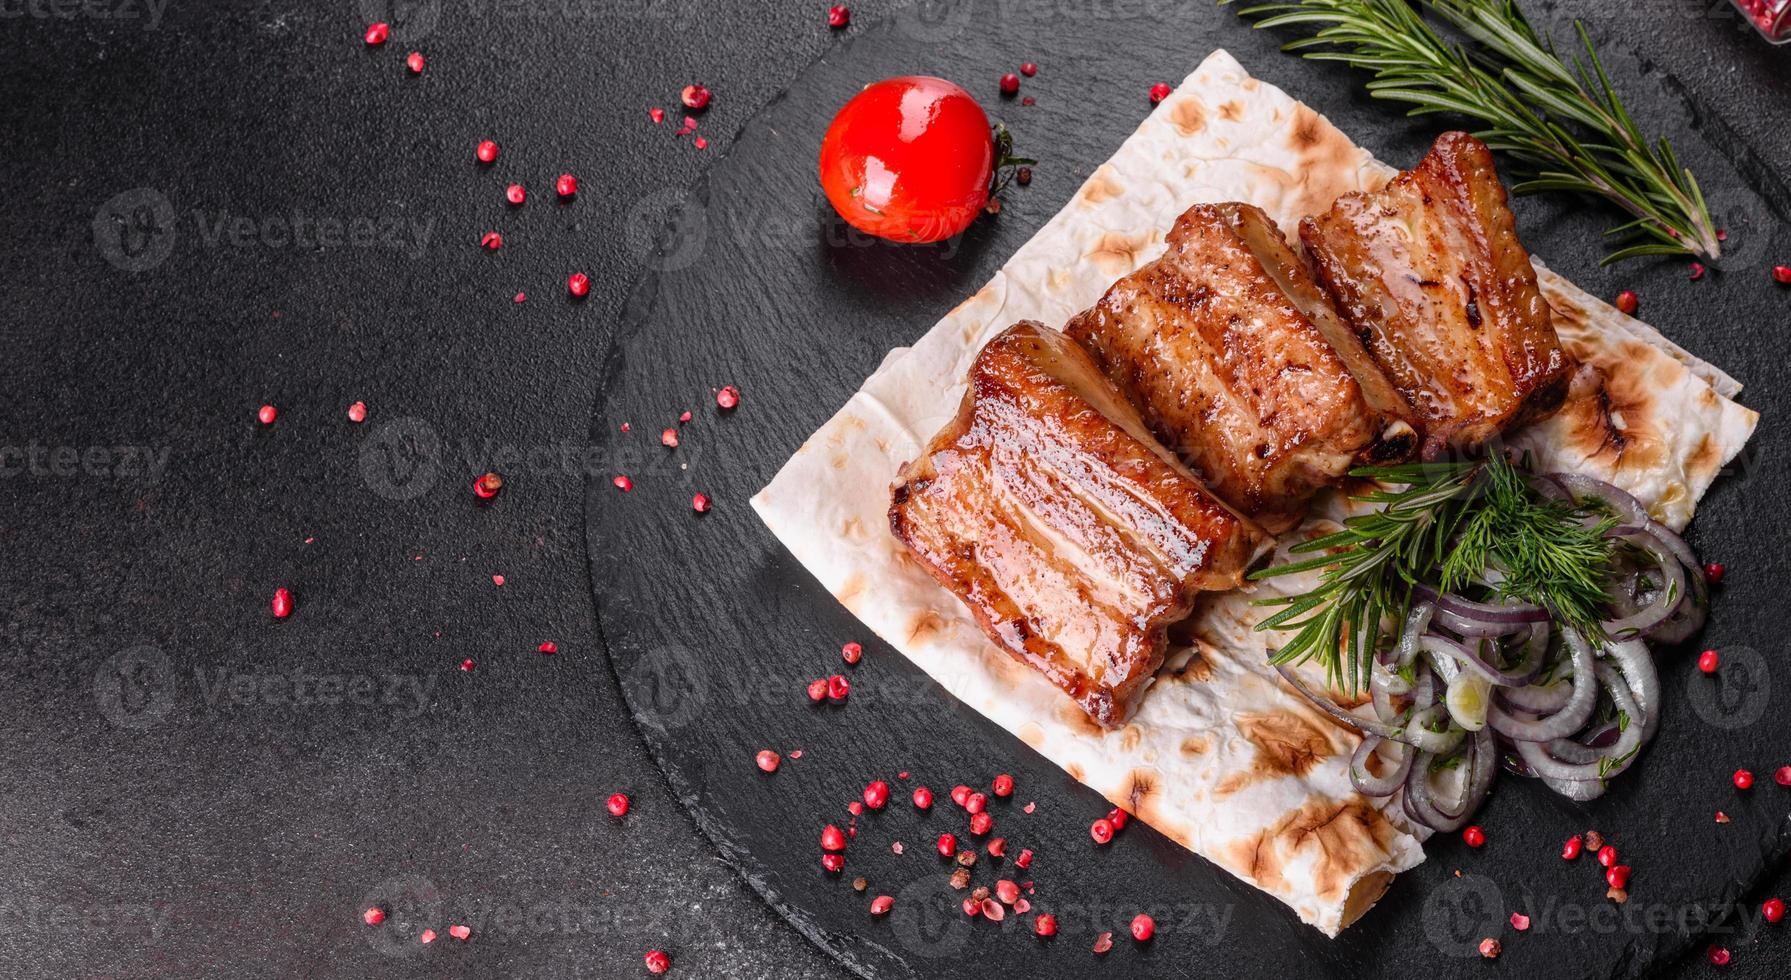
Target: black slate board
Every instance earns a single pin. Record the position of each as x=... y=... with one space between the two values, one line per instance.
x=714 y=630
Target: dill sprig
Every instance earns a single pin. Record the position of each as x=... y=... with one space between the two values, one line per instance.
x=1541 y=550
x=1448 y=525
x=1561 y=119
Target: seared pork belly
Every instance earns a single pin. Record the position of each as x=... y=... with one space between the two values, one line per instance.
x=1072 y=535
x=1429 y=274
x=1238 y=363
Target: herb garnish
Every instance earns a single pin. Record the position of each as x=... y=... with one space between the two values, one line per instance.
x=1451 y=525
x=1561 y=119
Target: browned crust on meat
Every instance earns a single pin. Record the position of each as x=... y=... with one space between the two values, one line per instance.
x=1430 y=276
x=1073 y=538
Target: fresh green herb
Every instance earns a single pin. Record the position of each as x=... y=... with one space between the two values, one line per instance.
x=1541 y=551
x=1449 y=525
x=1560 y=118
x=1006 y=164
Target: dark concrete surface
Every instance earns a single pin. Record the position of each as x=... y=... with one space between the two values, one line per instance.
x=188 y=788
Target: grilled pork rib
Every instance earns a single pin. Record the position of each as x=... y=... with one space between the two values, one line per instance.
x=1074 y=538
x=1238 y=363
x=1429 y=274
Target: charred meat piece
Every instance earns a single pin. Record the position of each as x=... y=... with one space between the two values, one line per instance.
x=1073 y=536
x=1429 y=274
x=1238 y=363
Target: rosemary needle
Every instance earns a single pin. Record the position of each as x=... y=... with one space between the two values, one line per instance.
x=1560 y=119
x=1444 y=525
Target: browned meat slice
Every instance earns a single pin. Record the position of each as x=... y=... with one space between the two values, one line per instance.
x=1074 y=537
x=1225 y=345
x=1430 y=276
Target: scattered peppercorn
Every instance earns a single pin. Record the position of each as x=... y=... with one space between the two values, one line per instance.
x=1708 y=661
x=657 y=962
x=1010 y=83
x=1744 y=779
x=839 y=15
x=1143 y=927
x=618 y=804
x=1159 y=92
x=1101 y=830
x=377 y=33
x=1044 y=925
x=1473 y=836
x=1628 y=302
x=767 y=760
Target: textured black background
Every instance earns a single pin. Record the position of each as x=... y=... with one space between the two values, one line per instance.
x=166 y=826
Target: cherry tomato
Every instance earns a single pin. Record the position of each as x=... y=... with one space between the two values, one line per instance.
x=909 y=159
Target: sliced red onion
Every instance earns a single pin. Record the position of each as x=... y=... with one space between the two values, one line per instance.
x=1470 y=618
x=1369 y=784
x=1417 y=622
x=1447 y=649
x=1642 y=681
x=1421 y=805
x=1620 y=501
x=1538 y=699
x=1367 y=726
x=1422 y=733
x=1545 y=758
x=1672 y=587
x=1572 y=716
x=1579 y=790
x=1689 y=617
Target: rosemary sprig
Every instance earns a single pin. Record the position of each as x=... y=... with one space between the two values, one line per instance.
x=1446 y=525
x=1560 y=119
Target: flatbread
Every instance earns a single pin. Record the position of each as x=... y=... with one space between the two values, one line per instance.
x=1222 y=756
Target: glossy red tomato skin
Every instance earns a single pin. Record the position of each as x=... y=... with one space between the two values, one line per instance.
x=909 y=159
